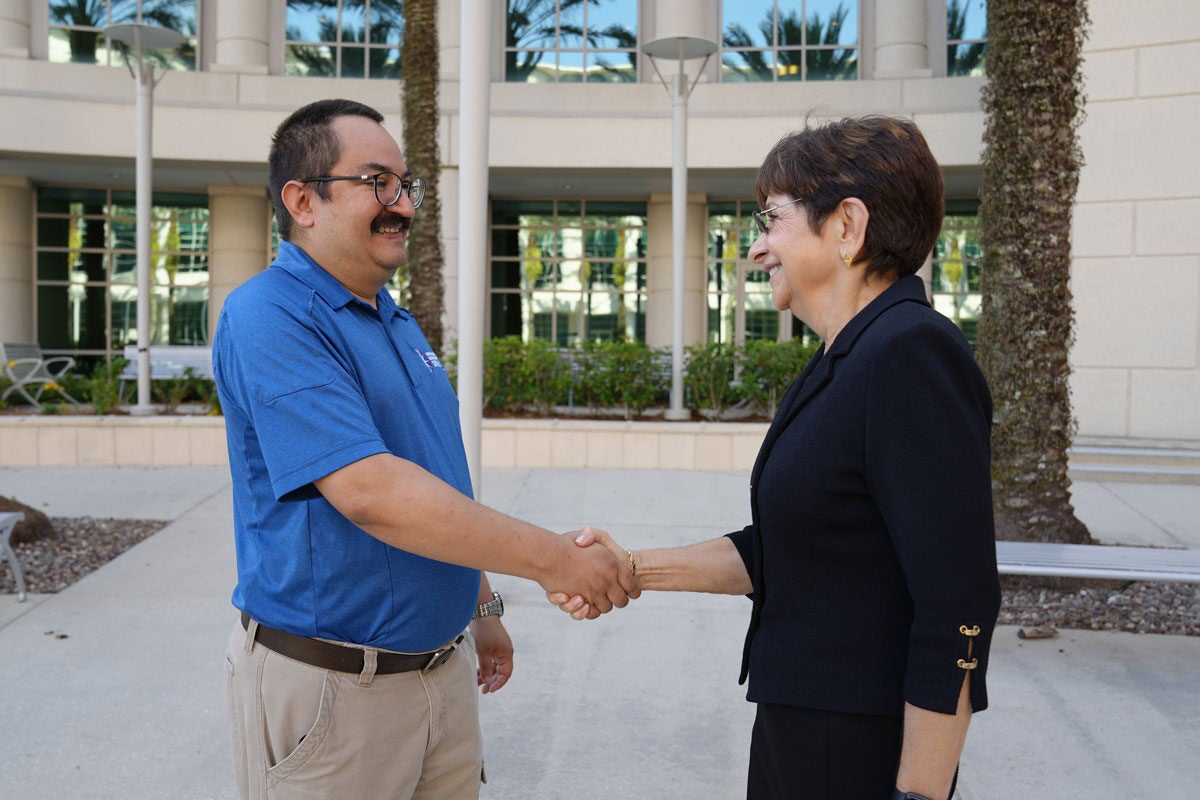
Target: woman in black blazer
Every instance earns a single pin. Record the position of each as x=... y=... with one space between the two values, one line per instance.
x=870 y=558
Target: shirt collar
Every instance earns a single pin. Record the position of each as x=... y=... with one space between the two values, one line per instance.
x=908 y=288
x=303 y=268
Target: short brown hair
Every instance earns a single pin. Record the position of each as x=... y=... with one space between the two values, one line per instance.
x=883 y=161
x=305 y=146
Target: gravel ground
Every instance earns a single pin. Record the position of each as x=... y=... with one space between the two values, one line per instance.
x=85 y=544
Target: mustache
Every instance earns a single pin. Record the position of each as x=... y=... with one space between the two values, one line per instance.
x=390 y=220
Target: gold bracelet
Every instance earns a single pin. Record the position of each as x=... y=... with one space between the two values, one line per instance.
x=632 y=564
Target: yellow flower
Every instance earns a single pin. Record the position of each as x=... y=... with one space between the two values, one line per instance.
x=53 y=387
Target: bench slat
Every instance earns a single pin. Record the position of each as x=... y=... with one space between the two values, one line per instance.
x=1098 y=561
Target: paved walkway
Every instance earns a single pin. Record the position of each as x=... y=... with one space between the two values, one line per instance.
x=113 y=688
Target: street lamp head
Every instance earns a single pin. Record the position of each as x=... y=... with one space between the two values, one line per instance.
x=141 y=37
x=679 y=47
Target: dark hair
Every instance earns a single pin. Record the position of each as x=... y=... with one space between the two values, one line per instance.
x=304 y=146
x=883 y=161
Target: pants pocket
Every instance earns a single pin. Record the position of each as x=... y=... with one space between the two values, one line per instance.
x=294 y=732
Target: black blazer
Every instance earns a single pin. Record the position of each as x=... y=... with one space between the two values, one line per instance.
x=872 y=547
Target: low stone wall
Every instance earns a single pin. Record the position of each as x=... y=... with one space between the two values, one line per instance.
x=32 y=441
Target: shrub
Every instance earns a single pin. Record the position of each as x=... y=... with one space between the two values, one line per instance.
x=103 y=386
x=709 y=376
x=173 y=391
x=624 y=374
x=518 y=373
x=769 y=367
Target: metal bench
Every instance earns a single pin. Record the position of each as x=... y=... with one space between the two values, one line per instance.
x=8 y=521
x=168 y=361
x=1098 y=561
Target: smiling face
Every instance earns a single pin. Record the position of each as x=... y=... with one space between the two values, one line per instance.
x=351 y=235
x=801 y=263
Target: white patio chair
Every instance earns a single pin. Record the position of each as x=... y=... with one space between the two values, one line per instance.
x=27 y=370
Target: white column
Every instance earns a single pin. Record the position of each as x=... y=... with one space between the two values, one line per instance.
x=474 y=117
x=14 y=29
x=901 y=44
x=16 y=263
x=239 y=230
x=243 y=36
x=660 y=266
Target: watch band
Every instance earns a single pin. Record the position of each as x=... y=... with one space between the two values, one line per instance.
x=899 y=795
x=492 y=608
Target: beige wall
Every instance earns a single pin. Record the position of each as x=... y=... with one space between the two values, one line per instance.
x=1136 y=275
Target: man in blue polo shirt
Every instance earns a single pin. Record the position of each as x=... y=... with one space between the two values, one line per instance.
x=366 y=621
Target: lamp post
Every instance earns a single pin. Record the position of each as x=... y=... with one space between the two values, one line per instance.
x=140 y=38
x=681 y=25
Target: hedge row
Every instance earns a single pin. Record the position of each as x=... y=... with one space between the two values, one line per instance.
x=539 y=376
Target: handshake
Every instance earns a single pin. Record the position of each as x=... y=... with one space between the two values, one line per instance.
x=609 y=577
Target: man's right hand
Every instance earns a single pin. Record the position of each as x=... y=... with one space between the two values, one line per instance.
x=592 y=573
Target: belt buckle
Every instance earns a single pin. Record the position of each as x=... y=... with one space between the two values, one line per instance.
x=441 y=656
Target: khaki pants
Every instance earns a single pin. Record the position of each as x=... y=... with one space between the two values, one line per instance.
x=303 y=732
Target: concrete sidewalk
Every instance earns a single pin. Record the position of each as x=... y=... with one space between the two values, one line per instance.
x=113 y=688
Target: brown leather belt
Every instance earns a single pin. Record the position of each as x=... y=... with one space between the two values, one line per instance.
x=346 y=659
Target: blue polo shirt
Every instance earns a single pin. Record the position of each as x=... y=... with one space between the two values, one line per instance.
x=312 y=379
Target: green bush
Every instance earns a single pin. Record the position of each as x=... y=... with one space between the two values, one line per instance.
x=625 y=374
x=173 y=391
x=709 y=376
x=518 y=373
x=103 y=386
x=769 y=367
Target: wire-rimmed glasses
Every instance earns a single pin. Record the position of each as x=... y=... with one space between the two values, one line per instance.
x=765 y=222
x=388 y=186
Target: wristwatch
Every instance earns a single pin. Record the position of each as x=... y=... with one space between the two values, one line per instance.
x=492 y=608
x=899 y=795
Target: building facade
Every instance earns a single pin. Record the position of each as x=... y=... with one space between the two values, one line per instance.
x=580 y=154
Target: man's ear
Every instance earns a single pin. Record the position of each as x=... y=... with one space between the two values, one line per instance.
x=853 y=215
x=298 y=203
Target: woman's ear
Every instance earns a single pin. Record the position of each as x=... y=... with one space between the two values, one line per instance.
x=853 y=216
x=298 y=203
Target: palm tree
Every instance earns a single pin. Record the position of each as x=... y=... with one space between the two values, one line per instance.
x=1033 y=104
x=420 y=67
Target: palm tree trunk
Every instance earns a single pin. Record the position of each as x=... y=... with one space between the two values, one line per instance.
x=1033 y=104
x=419 y=69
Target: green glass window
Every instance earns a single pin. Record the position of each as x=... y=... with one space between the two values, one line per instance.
x=957 y=264
x=344 y=38
x=77 y=29
x=569 y=41
x=789 y=40
x=966 y=37
x=86 y=255
x=568 y=271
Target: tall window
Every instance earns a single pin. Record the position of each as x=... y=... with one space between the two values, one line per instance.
x=344 y=38
x=571 y=41
x=87 y=270
x=568 y=271
x=739 y=293
x=957 y=262
x=966 y=37
x=789 y=40
x=77 y=29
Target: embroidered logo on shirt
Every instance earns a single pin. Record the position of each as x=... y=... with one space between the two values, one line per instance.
x=430 y=358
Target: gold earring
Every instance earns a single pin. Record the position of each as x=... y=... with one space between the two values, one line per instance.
x=848 y=260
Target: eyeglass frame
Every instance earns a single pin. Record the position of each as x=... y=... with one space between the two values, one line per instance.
x=760 y=217
x=407 y=185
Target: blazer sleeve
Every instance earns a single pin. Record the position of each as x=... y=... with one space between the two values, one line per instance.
x=928 y=457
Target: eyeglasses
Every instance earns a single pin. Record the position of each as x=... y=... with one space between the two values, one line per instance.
x=388 y=186
x=765 y=222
